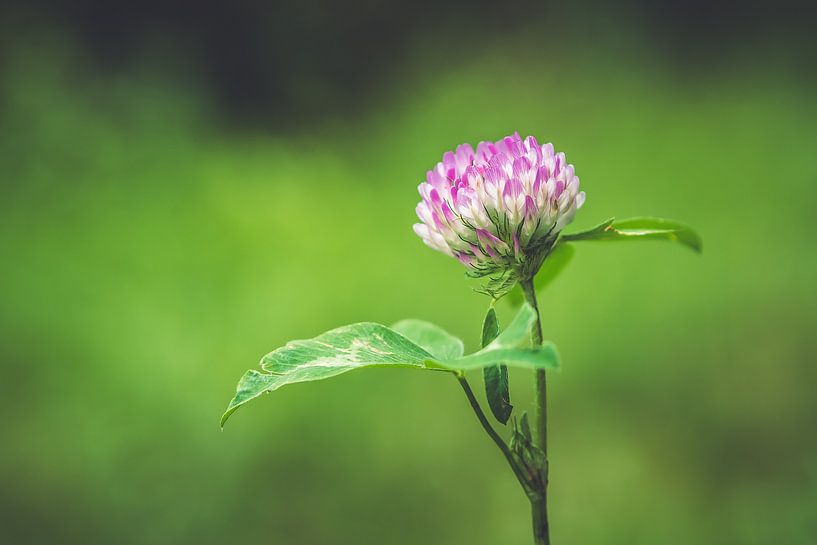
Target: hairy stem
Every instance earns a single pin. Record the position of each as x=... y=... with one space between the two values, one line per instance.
x=541 y=530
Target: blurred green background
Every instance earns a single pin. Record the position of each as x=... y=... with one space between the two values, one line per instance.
x=183 y=191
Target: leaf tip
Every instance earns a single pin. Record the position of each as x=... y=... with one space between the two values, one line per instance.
x=226 y=416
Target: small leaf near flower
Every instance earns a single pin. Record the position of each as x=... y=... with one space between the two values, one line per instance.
x=641 y=229
x=628 y=229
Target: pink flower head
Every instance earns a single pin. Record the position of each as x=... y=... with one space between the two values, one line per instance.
x=498 y=209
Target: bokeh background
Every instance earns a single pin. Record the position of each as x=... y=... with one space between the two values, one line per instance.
x=184 y=187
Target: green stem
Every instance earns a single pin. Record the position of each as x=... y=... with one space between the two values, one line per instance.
x=469 y=393
x=541 y=531
x=539 y=500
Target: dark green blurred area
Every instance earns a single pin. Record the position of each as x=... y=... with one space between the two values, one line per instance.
x=153 y=252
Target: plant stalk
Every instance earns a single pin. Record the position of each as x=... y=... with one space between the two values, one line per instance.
x=539 y=512
x=469 y=393
x=535 y=488
x=541 y=528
